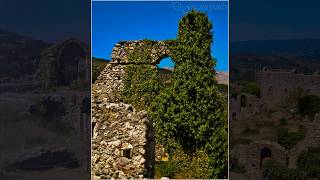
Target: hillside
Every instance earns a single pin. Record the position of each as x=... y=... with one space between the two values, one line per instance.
x=19 y=55
x=97 y=66
x=251 y=56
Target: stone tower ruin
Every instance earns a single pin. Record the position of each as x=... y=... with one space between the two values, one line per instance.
x=122 y=141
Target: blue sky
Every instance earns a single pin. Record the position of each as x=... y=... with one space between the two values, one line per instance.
x=115 y=21
x=274 y=19
x=50 y=21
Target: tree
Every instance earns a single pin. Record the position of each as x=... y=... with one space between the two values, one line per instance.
x=309 y=105
x=191 y=113
x=252 y=88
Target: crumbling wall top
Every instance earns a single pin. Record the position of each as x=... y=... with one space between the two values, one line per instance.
x=142 y=51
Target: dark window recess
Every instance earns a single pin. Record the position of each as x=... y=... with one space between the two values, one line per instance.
x=127 y=153
x=243 y=101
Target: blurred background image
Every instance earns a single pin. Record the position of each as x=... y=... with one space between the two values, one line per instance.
x=45 y=89
x=274 y=91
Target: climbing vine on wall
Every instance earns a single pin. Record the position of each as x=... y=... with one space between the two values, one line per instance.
x=47 y=76
x=190 y=114
x=141 y=85
x=141 y=78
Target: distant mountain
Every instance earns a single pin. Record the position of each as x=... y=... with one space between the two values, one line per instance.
x=97 y=66
x=222 y=77
x=248 y=57
x=305 y=48
x=19 y=55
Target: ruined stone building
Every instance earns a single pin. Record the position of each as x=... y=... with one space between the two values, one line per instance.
x=64 y=63
x=253 y=155
x=244 y=106
x=122 y=143
x=277 y=85
x=59 y=92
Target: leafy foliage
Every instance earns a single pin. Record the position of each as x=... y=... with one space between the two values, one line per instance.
x=195 y=165
x=238 y=167
x=166 y=169
x=275 y=170
x=308 y=166
x=289 y=139
x=141 y=85
x=309 y=105
x=252 y=88
x=191 y=113
x=309 y=162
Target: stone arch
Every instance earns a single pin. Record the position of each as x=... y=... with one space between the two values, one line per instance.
x=63 y=63
x=264 y=153
x=260 y=151
x=154 y=51
x=71 y=62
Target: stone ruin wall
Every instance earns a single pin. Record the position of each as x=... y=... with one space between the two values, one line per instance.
x=123 y=143
x=312 y=139
x=119 y=142
x=251 y=106
x=250 y=155
x=276 y=86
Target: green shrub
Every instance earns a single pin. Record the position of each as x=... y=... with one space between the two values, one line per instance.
x=192 y=111
x=192 y=165
x=141 y=85
x=166 y=168
x=252 y=88
x=309 y=162
x=238 y=168
x=309 y=105
x=275 y=170
x=290 y=139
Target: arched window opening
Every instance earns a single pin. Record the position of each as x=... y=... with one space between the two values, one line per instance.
x=165 y=68
x=243 y=101
x=72 y=66
x=264 y=153
x=234 y=116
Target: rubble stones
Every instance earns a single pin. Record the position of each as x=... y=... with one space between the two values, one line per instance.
x=121 y=51
x=123 y=140
x=119 y=140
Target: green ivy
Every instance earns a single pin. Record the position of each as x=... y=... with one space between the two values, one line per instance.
x=191 y=113
x=309 y=162
x=141 y=85
x=275 y=170
x=290 y=139
x=309 y=105
x=141 y=78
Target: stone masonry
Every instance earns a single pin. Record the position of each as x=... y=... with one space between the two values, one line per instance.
x=123 y=143
x=119 y=141
x=277 y=85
